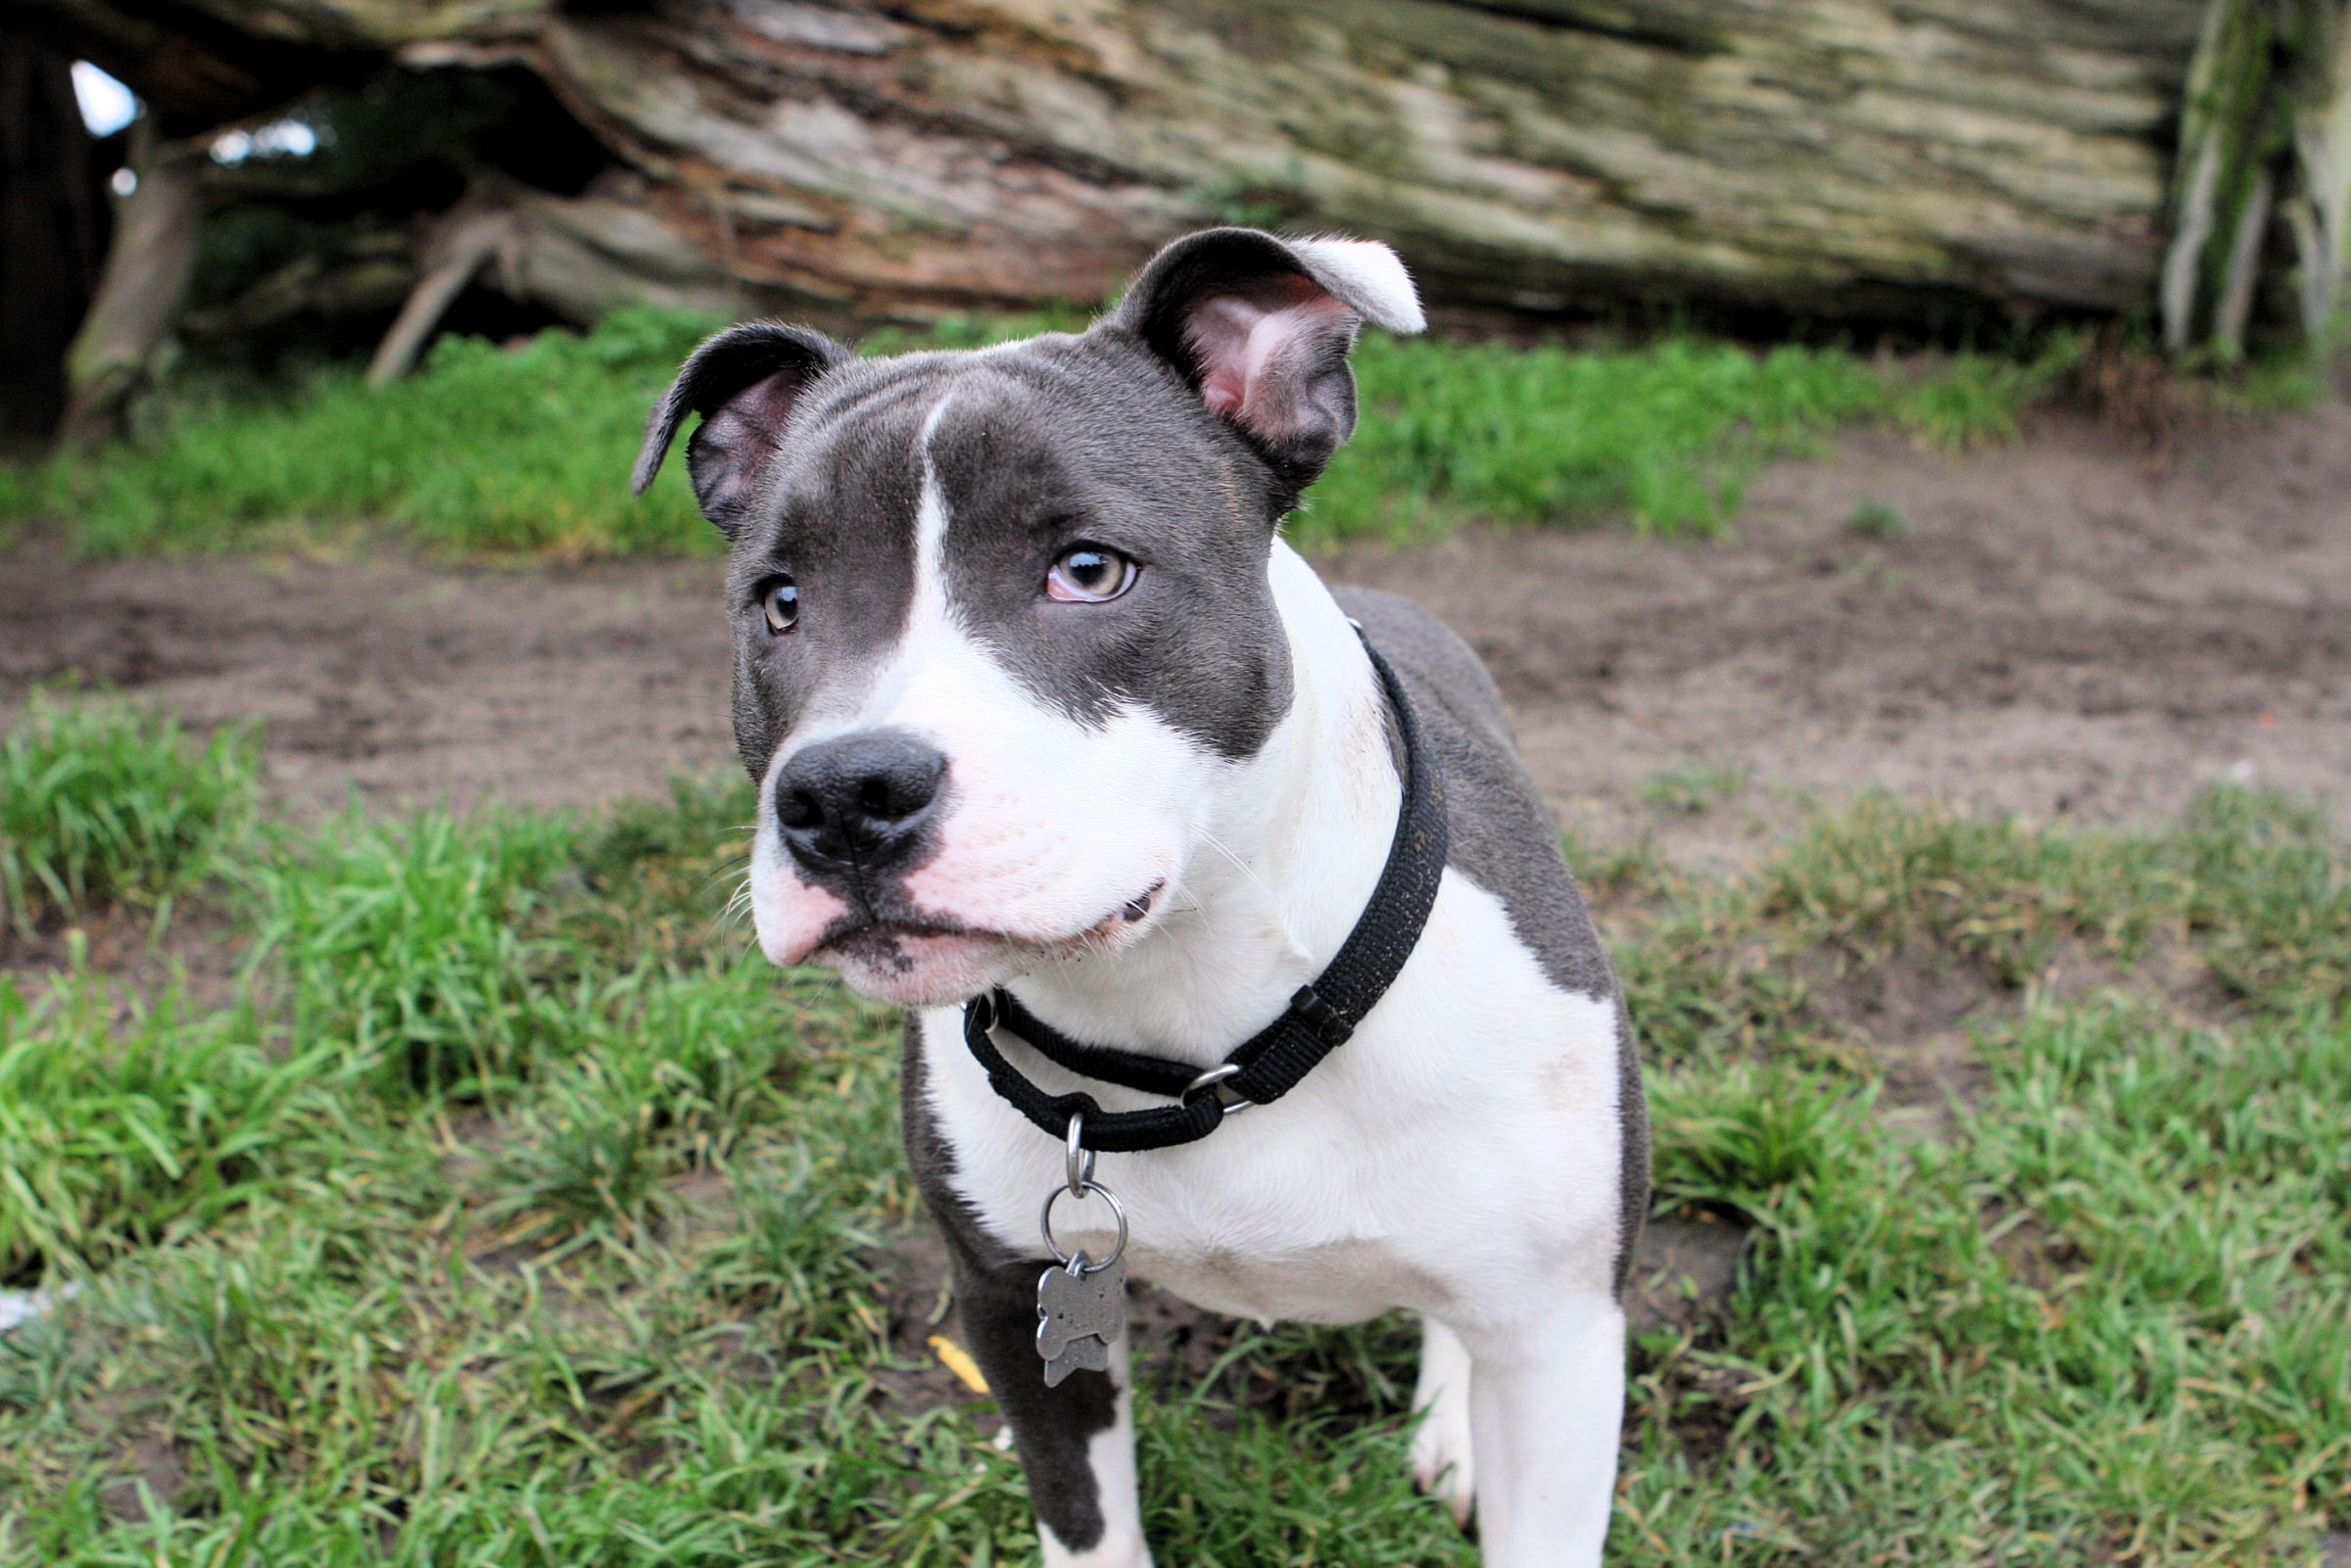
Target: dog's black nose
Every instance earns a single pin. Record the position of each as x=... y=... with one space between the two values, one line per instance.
x=859 y=800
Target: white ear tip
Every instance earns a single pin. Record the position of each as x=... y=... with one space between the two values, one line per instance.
x=1368 y=276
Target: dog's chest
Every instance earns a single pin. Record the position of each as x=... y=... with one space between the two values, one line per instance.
x=1462 y=1145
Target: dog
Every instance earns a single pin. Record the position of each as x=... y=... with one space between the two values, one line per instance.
x=1045 y=716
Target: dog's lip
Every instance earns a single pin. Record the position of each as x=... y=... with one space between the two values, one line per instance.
x=1129 y=913
x=1134 y=908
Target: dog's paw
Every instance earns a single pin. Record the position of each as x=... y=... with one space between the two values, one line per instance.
x=1440 y=1457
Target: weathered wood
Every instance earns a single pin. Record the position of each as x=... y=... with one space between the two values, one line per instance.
x=2264 y=185
x=141 y=290
x=1826 y=157
x=1821 y=157
x=469 y=238
x=2317 y=209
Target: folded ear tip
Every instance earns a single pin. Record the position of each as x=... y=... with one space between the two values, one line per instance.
x=1370 y=277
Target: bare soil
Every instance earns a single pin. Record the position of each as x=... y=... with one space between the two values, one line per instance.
x=2073 y=625
x=2069 y=625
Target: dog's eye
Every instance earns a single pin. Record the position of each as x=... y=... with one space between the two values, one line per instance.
x=1089 y=575
x=781 y=598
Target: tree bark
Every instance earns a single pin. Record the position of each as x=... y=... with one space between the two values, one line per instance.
x=2264 y=189
x=1907 y=161
x=141 y=290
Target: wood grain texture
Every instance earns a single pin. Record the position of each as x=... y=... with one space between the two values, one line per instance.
x=1828 y=157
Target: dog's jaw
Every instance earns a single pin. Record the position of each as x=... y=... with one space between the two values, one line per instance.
x=915 y=961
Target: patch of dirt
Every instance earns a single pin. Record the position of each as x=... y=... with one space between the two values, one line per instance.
x=2165 y=968
x=912 y=1271
x=2066 y=626
x=1915 y=993
x=198 y=949
x=1682 y=1273
x=2035 y=1253
x=156 y=1460
x=564 y=687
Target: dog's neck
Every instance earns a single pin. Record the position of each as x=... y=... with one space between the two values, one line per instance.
x=1286 y=855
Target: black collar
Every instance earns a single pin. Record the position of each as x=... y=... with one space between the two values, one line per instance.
x=1271 y=1062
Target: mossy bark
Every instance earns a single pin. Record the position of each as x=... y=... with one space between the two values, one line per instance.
x=1837 y=160
x=2263 y=179
x=140 y=290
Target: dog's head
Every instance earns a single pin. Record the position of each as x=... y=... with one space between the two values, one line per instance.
x=1002 y=619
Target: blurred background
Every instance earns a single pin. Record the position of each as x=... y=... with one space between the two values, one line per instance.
x=1892 y=454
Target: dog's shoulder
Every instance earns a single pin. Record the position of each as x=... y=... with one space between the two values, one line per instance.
x=1503 y=837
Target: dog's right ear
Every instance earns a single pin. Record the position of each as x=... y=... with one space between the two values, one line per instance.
x=744 y=383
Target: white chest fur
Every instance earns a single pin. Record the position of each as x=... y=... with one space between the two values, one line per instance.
x=1457 y=1153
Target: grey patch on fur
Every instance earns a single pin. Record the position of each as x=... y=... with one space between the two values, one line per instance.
x=995 y=1304
x=1505 y=840
x=1070 y=439
x=811 y=462
x=1045 y=445
x=837 y=512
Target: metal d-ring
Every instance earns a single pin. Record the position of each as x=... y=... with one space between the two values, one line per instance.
x=1216 y=1076
x=1077 y=1160
x=1080 y=1262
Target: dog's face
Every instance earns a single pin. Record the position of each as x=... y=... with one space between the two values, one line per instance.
x=1002 y=621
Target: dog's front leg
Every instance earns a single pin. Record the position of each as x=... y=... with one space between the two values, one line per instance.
x=1545 y=1411
x=1076 y=1441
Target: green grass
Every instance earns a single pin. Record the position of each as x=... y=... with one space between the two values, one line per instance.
x=1875 y=519
x=1693 y=788
x=603 y=1272
x=104 y=802
x=490 y=451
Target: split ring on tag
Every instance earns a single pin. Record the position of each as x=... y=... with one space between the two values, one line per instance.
x=1081 y=1305
x=1084 y=1264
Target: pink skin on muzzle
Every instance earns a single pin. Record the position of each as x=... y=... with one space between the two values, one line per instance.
x=801 y=923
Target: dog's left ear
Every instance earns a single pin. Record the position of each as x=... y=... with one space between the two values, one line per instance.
x=744 y=383
x=1261 y=329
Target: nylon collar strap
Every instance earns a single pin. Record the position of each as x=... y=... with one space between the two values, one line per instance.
x=1271 y=1062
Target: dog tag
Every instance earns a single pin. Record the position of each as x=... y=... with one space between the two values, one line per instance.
x=1079 y=1311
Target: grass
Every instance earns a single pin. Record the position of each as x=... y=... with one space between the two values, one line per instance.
x=1693 y=788
x=1876 y=520
x=105 y=803
x=491 y=450
x=500 y=1210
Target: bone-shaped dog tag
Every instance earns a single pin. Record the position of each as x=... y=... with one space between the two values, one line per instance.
x=1079 y=1311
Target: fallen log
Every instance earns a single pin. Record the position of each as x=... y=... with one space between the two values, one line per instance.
x=1914 y=162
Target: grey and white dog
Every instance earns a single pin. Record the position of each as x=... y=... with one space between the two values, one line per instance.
x=1036 y=696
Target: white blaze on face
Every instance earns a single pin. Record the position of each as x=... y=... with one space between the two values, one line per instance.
x=1049 y=826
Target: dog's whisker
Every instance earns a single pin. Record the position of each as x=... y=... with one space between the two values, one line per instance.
x=1238 y=863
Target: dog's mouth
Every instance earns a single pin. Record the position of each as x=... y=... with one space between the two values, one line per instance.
x=1135 y=910
x=921 y=960
x=866 y=929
